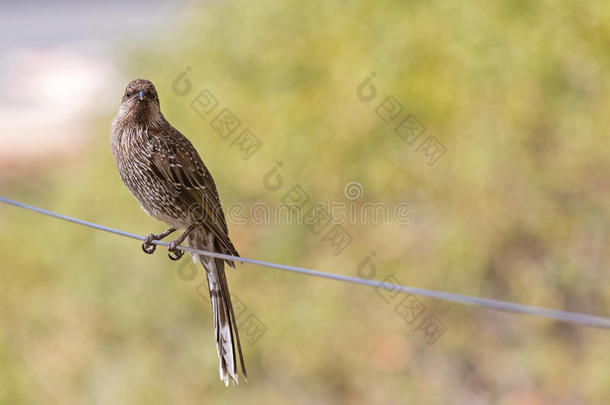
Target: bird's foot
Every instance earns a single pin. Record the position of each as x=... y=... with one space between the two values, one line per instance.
x=174 y=252
x=149 y=247
x=175 y=244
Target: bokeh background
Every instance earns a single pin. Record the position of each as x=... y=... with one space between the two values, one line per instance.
x=516 y=208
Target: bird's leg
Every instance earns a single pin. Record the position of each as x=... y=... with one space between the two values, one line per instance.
x=173 y=245
x=148 y=246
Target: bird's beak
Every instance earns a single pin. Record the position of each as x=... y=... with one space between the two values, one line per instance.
x=141 y=96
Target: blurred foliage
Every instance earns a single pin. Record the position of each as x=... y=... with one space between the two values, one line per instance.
x=517 y=209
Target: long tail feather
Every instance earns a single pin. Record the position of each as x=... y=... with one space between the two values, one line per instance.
x=225 y=327
x=225 y=288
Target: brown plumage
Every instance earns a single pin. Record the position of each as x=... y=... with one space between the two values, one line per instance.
x=167 y=176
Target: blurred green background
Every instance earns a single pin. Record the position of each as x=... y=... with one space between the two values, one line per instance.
x=515 y=209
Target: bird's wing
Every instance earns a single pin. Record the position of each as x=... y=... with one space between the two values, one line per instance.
x=176 y=160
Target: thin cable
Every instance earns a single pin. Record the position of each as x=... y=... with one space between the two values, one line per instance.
x=566 y=316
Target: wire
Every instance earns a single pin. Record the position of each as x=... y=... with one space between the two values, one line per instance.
x=566 y=316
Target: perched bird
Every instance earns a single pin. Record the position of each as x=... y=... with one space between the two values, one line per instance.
x=165 y=173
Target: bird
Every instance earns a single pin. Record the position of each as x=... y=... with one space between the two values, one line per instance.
x=164 y=172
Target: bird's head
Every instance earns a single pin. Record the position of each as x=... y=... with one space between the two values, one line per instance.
x=141 y=100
